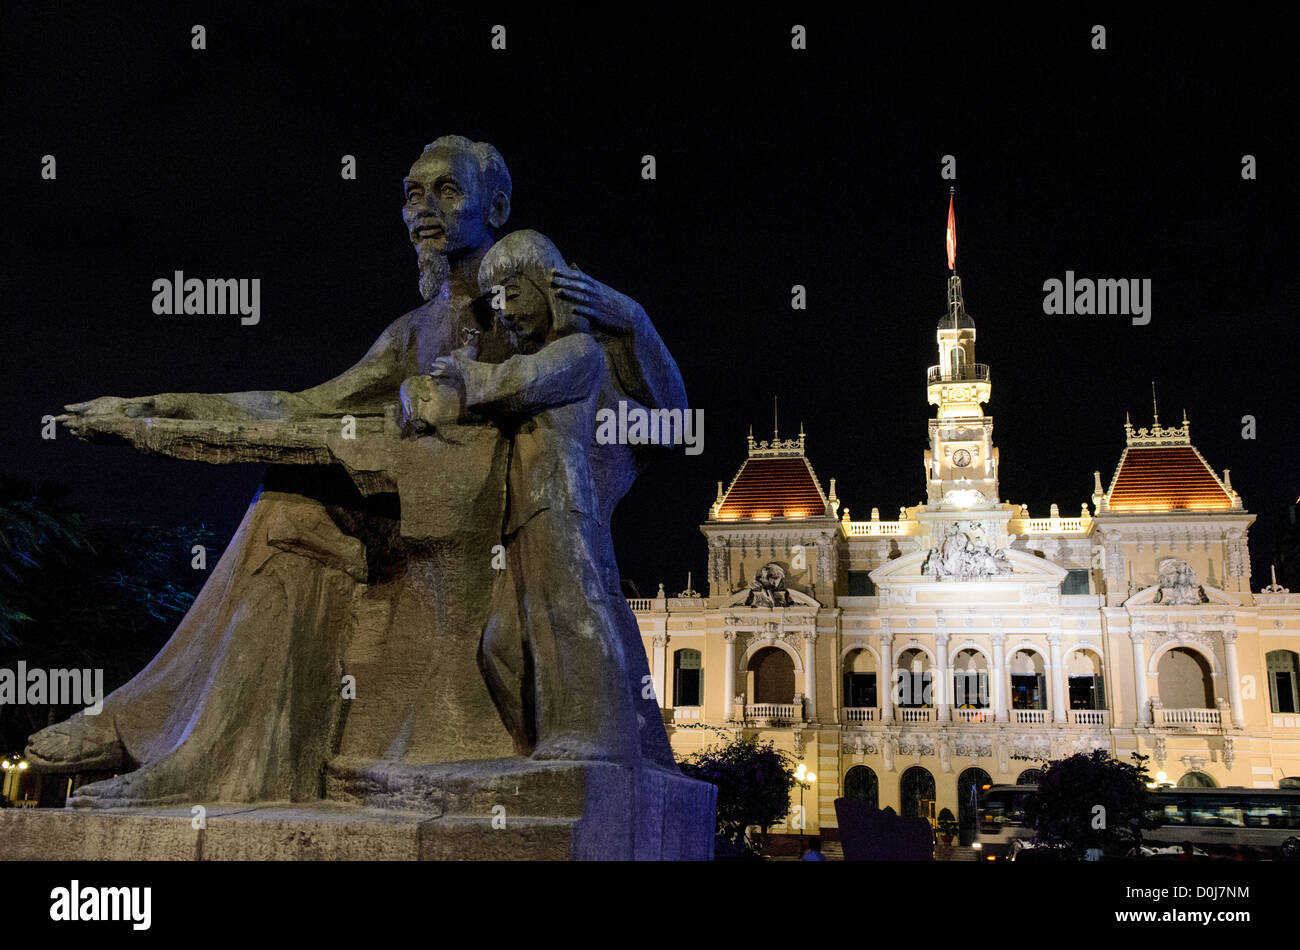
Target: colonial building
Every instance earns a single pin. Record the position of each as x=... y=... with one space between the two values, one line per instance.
x=909 y=661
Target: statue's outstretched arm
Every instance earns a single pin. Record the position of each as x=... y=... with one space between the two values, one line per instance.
x=362 y=389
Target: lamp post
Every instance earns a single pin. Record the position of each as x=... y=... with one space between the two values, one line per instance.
x=14 y=766
x=804 y=779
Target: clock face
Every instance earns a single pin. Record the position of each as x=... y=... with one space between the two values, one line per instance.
x=961 y=458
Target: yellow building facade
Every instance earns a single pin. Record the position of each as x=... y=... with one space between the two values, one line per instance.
x=908 y=662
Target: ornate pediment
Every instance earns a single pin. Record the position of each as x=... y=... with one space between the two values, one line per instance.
x=910 y=568
x=769 y=589
x=1160 y=596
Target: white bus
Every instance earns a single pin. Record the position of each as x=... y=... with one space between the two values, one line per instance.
x=1242 y=823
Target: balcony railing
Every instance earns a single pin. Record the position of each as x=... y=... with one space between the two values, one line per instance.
x=1189 y=719
x=641 y=603
x=973 y=373
x=1053 y=525
x=859 y=528
x=854 y=715
x=774 y=712
x=686 y=714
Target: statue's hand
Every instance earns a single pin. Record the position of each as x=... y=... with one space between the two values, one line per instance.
x=604 y=306
x=81 y=417
x=162 y=406
x=103 y=406
x=426 y=403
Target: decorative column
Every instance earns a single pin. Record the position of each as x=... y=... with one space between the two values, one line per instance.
x=885 y=689
x=1140 y=676
x=998 y=673
x=729 y=674
x=942 y=704
x=660 y=663
x=810 y=672
x=1058 y=674
x=1234 y=679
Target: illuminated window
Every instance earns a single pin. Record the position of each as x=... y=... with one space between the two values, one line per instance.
x=688 y=678
x=1283 y=670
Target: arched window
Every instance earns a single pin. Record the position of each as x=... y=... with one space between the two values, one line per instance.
x=957 y=356
x=860 y=680
x=1184 y=680
x=772 y=672
x=1028 y=680
x=1196 y=780
x=916 y=793
x=970 y=680
x=1087 y=687
x=969 y=785
x=861 y=784
x=688 y=678
x=1030 y=777
x=1283 y=672
x=912 y=679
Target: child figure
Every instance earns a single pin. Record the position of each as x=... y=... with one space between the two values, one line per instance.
x=550 y=653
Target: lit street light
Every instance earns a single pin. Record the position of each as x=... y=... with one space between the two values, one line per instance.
x=805 y=779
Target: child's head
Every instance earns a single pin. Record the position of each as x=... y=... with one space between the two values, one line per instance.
x=521 y=264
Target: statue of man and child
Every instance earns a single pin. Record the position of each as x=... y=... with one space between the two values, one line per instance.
x=505 y=365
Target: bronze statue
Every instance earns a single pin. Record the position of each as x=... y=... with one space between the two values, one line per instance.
x=368 y=556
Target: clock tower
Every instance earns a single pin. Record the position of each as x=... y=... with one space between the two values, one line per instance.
x=961 y=466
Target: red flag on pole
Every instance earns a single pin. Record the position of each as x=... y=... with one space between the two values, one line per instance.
x=952 y=236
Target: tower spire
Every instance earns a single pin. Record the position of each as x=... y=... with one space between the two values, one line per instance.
x=1155 y=409
x=775 y=419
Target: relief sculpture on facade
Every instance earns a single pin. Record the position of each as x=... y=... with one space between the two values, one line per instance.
x=959 y=555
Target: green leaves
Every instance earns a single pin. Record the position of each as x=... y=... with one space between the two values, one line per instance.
x=754 y=780
x=1087 y=801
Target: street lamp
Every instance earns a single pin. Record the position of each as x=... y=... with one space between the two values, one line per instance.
x=805 y=779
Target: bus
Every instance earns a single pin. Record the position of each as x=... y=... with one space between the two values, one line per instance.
x=1239 y=823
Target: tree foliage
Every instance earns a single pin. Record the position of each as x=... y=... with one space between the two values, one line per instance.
x=754 y=780
x=36 y=530
x=1090 y=800
x=85 y=595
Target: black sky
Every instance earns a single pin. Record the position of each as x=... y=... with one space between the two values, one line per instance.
x=775 y=167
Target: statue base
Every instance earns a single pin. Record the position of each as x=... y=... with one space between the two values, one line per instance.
x=507 y=810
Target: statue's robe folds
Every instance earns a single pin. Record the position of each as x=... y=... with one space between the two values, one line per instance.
x=330 y=574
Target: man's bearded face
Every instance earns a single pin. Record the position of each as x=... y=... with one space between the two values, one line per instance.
x=445 y=212
x=434 y=269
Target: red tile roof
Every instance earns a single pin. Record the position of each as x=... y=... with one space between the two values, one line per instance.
x=773 y=488
x=1163 y=479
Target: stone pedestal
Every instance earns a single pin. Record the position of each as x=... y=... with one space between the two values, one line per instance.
x=507 y=810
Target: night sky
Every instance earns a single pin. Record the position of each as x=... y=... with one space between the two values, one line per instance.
x=775 y=167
